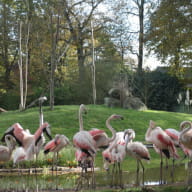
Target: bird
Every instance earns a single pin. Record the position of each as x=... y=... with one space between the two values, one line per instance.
x=185 y=136
x=83 y=140
x=136 y=149
x=158 y=137
x=29 y=143
x=115 y=153
x=6 y=151
x=101 y=138
x=162 y=143
x=25 y=138
x=56 y=145
x=174 y=135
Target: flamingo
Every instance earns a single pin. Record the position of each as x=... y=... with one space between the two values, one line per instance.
x=175 y=135
x=115 y=153
x=6 y=151
x=56 y=145
x=23 y=137
x=185 y=136
x=136 y=149
x=162 y=143
x=161 y=140
x=100 y=137
x=30 y=143
x=83 y=140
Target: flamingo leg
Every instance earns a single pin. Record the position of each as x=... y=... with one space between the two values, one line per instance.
x=93 y=173
x=119 y=167
x=120 y=175
x=142 y=168
x=137 y=166
x=141 y=165
x=161 y=168
x=56 y=169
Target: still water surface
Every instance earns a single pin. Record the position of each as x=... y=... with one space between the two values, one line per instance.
x=181 y=174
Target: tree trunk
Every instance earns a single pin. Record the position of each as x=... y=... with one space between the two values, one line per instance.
x=141 y=38
x=52 y=75
x=93 y=66
x=54 y=40
x=81 y=58
x=20 y=63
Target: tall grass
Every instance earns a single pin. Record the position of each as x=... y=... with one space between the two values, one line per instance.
x=64 y=120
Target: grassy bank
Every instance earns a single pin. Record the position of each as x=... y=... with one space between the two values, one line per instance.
x=64 y=120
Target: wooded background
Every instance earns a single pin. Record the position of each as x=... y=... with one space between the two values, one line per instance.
x=73 y=51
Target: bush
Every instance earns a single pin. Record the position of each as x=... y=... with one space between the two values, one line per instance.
x=157 y=90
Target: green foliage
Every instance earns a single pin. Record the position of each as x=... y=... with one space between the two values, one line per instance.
x=169 y=33
x=158 y=90
x=9 y=100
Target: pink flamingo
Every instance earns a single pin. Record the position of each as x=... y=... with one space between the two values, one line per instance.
x=24 y=138
x=83 y=140
x=185 y=136
x=56 y=145
x=115 y=153
x=161 y=140
x=100 y=137
x=136 y=149
x=175 y=135
x=6 y=151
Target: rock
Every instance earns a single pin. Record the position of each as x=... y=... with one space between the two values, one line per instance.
x=134 y=103
x=2 y=110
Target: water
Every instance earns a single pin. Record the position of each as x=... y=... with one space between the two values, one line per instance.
x=18 y=181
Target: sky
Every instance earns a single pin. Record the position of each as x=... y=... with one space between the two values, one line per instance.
x=150 y=61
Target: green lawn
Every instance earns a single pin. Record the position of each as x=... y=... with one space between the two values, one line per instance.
x=64 y=120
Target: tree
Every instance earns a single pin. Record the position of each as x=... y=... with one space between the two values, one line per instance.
x=8 y=43
x=169 y=33
x=78 y=16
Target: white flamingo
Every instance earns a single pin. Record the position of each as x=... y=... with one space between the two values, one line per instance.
x=136 y=149
x=6 y=151
x=115 y=153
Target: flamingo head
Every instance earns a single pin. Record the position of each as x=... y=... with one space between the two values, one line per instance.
x=47 y=130
x=12 y=140
x=83 y=109
x=106 y=165
x=152 y=124
x=61 y=138
x=115 y=116
x=130 y=133
x=185 y=125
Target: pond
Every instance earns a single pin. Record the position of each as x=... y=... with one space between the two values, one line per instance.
x=19 y=181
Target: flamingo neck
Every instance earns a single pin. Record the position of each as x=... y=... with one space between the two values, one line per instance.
x=184 y=131
x=148 y=133
x=80 y=119
x=41 y=118
x=108 y=125
x=9 y=143
x=39 y=132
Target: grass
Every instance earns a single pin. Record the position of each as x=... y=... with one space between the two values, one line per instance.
x=64 y=120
